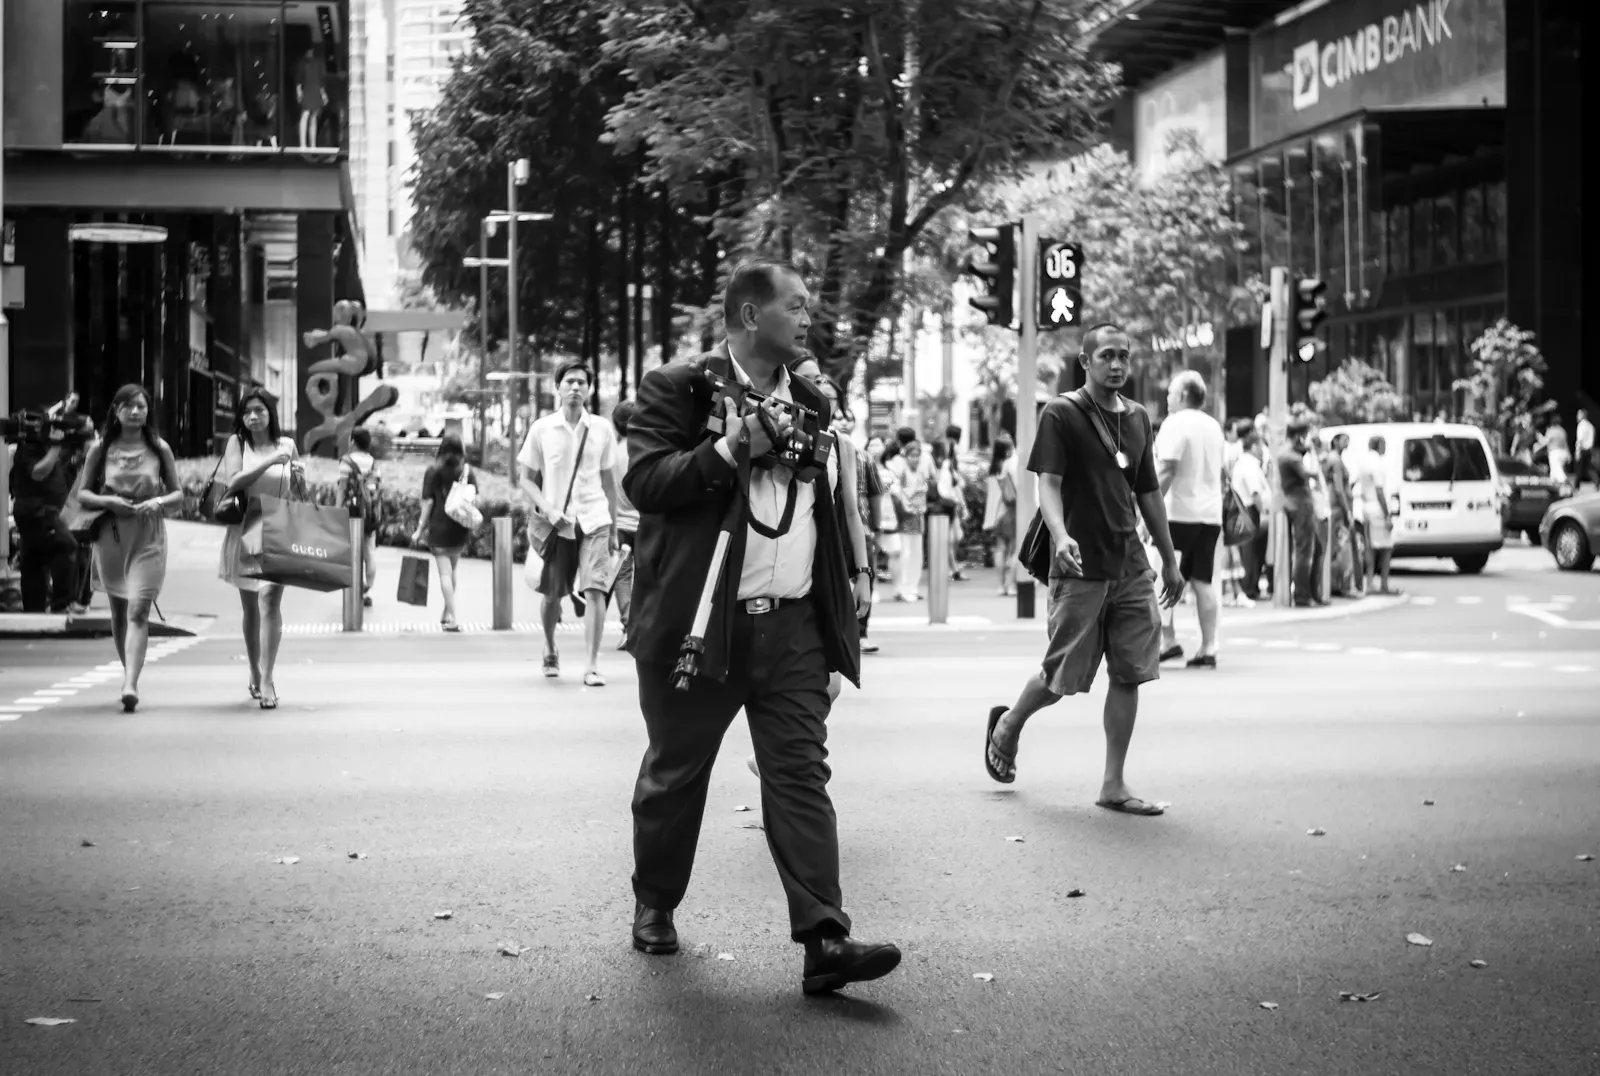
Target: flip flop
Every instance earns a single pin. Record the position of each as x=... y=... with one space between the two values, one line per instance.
x=1127 y=806
x=995 y=714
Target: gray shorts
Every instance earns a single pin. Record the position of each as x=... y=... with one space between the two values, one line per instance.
x=1118 y=620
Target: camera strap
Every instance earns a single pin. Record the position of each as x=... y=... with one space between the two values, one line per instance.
x=742 y=460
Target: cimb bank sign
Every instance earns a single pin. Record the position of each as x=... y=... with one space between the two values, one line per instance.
x=1378 y=44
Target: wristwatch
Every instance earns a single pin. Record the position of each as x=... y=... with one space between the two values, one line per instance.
x=860 y=571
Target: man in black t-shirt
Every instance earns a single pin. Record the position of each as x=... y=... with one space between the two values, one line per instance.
x=41 y=478
x=1097 y=473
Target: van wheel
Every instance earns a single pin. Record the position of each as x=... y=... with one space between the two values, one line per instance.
x=1571 y=547
x=1473 y=564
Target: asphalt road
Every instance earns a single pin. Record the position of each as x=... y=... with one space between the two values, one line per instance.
x=469 y=784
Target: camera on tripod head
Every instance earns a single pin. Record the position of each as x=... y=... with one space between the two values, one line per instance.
x=33 y=427
x=803 y=448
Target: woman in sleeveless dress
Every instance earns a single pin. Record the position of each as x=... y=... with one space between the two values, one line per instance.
x=132 y=476
x=258 y=460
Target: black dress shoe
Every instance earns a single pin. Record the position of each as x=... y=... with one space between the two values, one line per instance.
x=833 y=962
x=653 y=931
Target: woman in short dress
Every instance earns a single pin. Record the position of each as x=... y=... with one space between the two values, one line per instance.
x=446 y=538
x=132 y=476
x=258 y=460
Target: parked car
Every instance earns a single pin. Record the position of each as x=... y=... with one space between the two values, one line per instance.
x=1527 y=490
x=1570 y=530
x=1444 y=489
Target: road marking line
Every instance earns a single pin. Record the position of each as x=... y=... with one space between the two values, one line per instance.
x=1468 y=599
x=46 y=700
x=1244 y=640
x=1414 y=655
x=1423 y=601
x=1367 y=651
x=1545 y=614
x=1514 y=664
x=1572 y=668
x=1323 y=648
x=1280 y=644
x=1461 y=659
x=61 y=692
x=16 y=710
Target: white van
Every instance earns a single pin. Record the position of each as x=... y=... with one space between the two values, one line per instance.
x=1443 y=487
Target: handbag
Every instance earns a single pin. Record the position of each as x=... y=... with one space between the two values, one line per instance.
x=213 y=505
x=297 y=543
x=413 y=579
x=541 y=532
x=1239 y=524
x=460 y=504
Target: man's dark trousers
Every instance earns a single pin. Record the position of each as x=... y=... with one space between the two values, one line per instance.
x=48 y=560
x=777 y=673
x=1304 y=539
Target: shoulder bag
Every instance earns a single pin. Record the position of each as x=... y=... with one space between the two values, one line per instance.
x=541 y=532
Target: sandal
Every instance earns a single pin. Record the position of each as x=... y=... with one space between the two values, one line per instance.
x=255 y=690
x=1009 y=774
x=269 y=702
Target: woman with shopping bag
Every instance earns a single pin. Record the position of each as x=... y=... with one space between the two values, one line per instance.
x=132 y=478
x=446 y=537
x=258 y=460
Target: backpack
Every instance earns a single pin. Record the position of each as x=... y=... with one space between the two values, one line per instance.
x=363 y=492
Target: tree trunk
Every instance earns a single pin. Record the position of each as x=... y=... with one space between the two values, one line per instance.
x=637 y=196
x=664 y=294
x=624 y=272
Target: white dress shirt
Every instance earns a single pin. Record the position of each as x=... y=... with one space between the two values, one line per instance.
x=550 y=449
x=778 y=567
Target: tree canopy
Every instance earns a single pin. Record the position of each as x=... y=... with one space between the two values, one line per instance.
x=832 y=133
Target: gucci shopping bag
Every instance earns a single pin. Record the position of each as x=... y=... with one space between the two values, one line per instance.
x=413 y=579
x=298 y=544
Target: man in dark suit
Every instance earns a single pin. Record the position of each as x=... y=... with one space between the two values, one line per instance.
x=785 y=616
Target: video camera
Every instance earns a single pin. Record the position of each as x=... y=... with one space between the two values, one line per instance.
x=804 y=447
x=33 y=427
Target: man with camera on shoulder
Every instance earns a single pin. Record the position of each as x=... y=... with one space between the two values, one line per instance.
x=782 y=616
x=42 y=474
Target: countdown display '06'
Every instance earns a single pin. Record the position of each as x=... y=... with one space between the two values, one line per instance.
x=1060 y=284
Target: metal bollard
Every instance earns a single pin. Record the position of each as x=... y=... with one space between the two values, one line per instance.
x=501 y=561
x=938 y=568
x=1282 y=560
x=355 y=592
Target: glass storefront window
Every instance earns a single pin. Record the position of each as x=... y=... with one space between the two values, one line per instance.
x=1247 y=211
x=1274 y=217
x=101 y=75
x=1494 y=218
x=1332 y=183
x=1472 y=234
x=1447 y=349
x=1424 y=353
x=1301 y=195
x=318 y=98
x=1444 y=230
x=213 y=75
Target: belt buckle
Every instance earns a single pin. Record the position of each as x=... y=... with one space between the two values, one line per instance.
x=760 y=605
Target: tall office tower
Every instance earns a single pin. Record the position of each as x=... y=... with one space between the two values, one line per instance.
x=427 y=37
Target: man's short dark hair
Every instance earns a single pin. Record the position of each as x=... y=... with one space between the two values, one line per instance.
x=1244 y=426
x=905 y=435
x=952 y=432
x=621 y=415
x=1298 y=428
x=1091 y=336
x=567 y=367
x=755 y=282
x=361 y=438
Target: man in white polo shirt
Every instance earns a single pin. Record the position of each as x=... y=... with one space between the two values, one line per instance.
x=579 y=496
x=1189 y=455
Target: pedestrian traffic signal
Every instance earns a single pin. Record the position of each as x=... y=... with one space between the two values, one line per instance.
x=1309 y=309
x=997 y=275
x=1060 y=284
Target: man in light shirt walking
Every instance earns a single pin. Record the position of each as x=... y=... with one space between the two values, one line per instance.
x=568 y=472
x=1189 y=454
x=1584 y=463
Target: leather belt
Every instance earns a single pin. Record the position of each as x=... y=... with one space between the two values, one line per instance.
x=756 y=606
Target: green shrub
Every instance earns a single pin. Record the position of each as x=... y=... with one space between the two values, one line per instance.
x=402 y=500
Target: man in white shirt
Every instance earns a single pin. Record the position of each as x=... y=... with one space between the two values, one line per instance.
x=784 y=616
x=1584 y=463
x=578 y=496
x=1189 y=454
x=1251 y=484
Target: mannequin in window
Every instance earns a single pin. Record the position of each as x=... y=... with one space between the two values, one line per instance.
x=114 y=122
x=311 y=91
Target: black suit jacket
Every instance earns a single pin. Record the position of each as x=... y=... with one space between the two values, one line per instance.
x=682 y=487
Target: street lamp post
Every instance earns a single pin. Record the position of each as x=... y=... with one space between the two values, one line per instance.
x=483 y=263
x=516 y=176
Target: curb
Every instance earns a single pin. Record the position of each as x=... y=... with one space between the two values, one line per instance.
x=958 y=625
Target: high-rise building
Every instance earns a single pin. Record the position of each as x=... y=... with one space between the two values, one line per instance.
x=406 y=49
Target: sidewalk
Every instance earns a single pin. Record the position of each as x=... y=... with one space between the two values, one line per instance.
x=194 y=596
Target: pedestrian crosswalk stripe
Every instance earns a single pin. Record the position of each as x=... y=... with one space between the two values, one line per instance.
x=1572 y=668
x=1366 y=651
x=1469 y=599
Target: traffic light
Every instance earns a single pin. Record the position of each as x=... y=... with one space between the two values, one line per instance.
x=997 y=274
x=1060 y=284
x=1308 y=309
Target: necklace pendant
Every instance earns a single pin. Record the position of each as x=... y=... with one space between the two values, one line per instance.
x=1122 y=459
